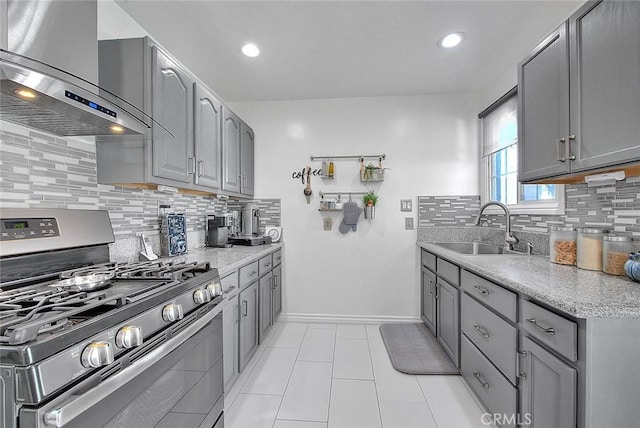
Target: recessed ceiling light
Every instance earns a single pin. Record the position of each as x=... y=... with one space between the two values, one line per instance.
x=250 y=50
x=451 y=40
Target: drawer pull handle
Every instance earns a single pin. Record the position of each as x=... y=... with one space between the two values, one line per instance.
x=250 y=274
x=482 y=331
x=483 y=382
x=548 y=330
x=246 y=308
x=481 y=290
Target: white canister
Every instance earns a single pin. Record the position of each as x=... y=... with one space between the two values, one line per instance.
x=590 y=248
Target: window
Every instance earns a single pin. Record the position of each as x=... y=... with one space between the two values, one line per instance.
x=499 y=164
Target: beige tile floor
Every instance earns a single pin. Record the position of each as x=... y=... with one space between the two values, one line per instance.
x=340 y=376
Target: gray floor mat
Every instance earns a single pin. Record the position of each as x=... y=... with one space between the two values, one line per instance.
x=413 y=349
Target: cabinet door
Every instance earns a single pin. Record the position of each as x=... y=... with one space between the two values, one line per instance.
x=230 y=334
x=448 y=324
x=246 y=158
x=172 y=158
x=277 y=291
x=207 y=137
x=230 y=152
x=547 y=389
x=605 y=84
x=266 y=305
x=543 y=109
x=428 y=301
x=248 y=323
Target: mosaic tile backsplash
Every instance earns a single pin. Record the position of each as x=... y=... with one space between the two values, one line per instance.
x=43 y=171
x=615 y=207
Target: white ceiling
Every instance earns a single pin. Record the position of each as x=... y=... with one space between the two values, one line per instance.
x=335 y=49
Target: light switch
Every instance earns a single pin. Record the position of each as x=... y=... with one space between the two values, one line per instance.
x=408 y=223
x=327 y=223
x=406 y=205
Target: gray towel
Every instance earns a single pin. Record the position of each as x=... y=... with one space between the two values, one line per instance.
x=351 y=212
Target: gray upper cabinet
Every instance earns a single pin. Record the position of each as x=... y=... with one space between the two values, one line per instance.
x=579 y=92
x=247 y=140
x=194 y=141
x=231 y=175
x=543 y=108
x=548 y=388
x=171 y=106
x=207 y=137
x=605 y=84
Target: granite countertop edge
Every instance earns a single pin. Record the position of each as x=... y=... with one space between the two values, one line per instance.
x=576 y=292
x=228 y=260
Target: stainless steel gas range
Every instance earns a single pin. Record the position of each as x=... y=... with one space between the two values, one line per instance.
x=85 y=342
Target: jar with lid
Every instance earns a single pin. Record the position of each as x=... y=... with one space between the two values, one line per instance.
x=562 y=245
x=589 y=254
x=615 y=253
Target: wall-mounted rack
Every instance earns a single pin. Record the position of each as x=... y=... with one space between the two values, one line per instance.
x=356 y=157
x=322 y=194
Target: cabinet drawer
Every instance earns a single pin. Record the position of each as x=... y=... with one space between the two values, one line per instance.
x=230 y=284
x=496 y=297
x=265 y=264
x=448 y=271
x=429 y=260
x=277 y=258
x=495 y=337
x=497 y=394
x=248 y=274
x=557 y=332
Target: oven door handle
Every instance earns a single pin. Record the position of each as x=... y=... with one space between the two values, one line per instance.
x=75 y=405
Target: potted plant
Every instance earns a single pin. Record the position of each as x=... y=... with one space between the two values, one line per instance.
x=370 y=200
x=372 y=172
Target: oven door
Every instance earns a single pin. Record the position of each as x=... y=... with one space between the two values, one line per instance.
x=177 y=382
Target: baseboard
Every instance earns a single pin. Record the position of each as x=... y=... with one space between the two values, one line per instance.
x=344 y=319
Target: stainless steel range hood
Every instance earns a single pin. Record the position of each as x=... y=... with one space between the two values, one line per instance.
x=47 y=98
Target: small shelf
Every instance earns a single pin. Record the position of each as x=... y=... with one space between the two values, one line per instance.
x=330 y=209
x=372 y=175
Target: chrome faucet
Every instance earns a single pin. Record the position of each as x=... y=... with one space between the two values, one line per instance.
x=508 y=236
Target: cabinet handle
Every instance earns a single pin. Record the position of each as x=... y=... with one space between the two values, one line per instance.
x=237 y=312
x=559 y=150
x=246 y=308
x=200 y=168
x=481 y=290
x=483 y=382
x=250 y=274
x=191 y=165
x=572 y=137
x=483 y=332
x=430 y=287
x=548 y=330
x=437 y=295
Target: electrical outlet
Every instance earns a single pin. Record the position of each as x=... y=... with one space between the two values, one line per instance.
x=406 y=205
x=327 y=223
x=408 y=223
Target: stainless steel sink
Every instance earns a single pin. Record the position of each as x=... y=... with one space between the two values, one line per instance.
x=474 y=248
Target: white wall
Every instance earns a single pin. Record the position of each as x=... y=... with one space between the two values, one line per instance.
x=432 y=149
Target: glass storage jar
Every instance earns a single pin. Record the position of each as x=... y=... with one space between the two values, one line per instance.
x=615 y=253
x=589 y=254
x=562 y=245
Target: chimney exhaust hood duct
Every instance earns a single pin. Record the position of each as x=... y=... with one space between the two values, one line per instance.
x=48 y=63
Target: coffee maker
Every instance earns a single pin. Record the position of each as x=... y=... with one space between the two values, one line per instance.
x=250 y=228
x=218 y=230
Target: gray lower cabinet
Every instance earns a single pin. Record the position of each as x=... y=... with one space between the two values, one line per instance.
x=578 y=97
x=547 y=388
x=496 y=393
x=266 y=304
x=428 y=299
x=231 y=336
x=448 y=315
x=276 y=297
x=248 y=323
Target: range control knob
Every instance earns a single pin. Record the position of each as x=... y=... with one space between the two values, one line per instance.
x=172 y=312
x=215 y=289
x=201 y=296
x=129 y=337
x=97 y=354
